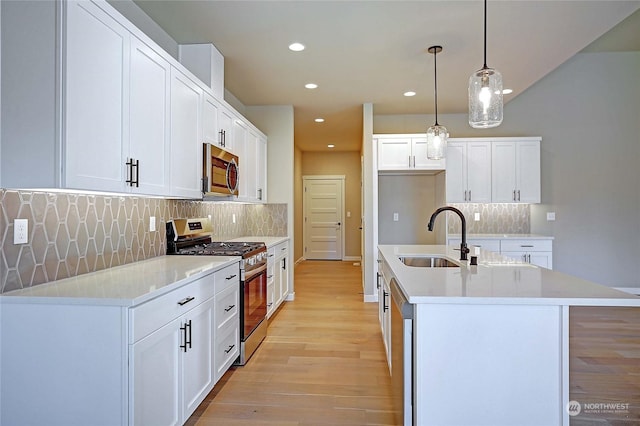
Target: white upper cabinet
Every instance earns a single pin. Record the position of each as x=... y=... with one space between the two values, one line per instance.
x=111 y=111
x=516 y=171
x=96 y=64
x=262 y=168
x=405 y=152
x=149 y=144
x=468 y=176
x=210 y=109
x=186 y=143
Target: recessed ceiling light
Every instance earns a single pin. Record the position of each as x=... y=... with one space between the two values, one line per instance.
x=311 y=86
x=319 y=120
x=296 y=47
x=331 y=145
x=507 y=91
x=408 y=94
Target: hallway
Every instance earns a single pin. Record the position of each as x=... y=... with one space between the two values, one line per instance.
x=322 y=362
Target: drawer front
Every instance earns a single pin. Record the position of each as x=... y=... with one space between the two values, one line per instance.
x=280 y=249
x=227 y=347
x=227 y=304
x=227 y=277
x=152 y=315
x=526 y=245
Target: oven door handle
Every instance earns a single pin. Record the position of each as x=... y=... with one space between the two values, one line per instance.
x=249 y=275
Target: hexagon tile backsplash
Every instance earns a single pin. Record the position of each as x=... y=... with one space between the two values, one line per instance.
x=72 y=234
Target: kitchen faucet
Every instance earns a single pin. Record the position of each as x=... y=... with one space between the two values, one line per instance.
x=463 y=245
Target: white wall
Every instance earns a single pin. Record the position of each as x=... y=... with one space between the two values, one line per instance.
x=588 y=114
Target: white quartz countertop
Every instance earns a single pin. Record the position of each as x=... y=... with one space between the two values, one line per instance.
x=269 y=241
x=503 y=236
x=495 y=280
x=125 y=285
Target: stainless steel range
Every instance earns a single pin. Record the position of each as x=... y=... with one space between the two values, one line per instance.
x=193 y=237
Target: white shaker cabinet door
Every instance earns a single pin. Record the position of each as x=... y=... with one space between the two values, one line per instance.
x=155 y=377
x=186 y=146
x=394 y=153
x=149 y=119
x=198 y=368
x=210 y=108
x=479 y=172
x=528 y=171
x=96 y=58
x=456 y=174
x=262 y=169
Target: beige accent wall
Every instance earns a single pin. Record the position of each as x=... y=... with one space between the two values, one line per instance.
x=298 y=214
x=347 y=164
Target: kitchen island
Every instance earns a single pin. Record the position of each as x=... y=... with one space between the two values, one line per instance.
x=489 y=343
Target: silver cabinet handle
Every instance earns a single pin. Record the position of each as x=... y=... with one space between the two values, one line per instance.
x=409 y=161
x=514 y=195
x=469 y=195
x=518 y=195
x=526 y=245
x=465 y=195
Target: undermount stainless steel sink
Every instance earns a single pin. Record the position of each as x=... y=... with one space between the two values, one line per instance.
x=427 y=262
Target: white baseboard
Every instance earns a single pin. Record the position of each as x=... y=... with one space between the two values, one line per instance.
x=631 y=290
x=298 y=261
x=351 y=258
x=370 y=298
x=291 y=296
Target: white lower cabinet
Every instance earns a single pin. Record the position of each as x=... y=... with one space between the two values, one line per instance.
x=148 y=364
x=537 y=251
x=384 y=310
x=277 y=276
x=171 y=369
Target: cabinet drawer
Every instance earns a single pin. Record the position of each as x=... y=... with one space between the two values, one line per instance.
x=227 y=306
x=526 y=245
x=280 y=249
x=227 y=277
x=227 y=347
x=152 y=315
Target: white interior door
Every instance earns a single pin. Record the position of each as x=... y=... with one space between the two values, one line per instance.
x=323 y=201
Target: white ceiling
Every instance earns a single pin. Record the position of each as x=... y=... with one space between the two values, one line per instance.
x=374 y=51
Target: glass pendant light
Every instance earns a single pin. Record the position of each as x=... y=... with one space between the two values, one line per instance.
x=485 y=92
x=437 y=135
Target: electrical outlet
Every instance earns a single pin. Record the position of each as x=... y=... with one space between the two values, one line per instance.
x=233 y=217
x=152 y=224
x=476 y=216
x=395 y=217
x=20 y=231
x=348 y=214
x=551 y=216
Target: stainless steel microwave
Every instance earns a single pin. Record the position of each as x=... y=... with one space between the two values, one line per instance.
x=219 y=171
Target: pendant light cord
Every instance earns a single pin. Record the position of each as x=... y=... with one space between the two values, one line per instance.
x=435 y=82
x=485 y=35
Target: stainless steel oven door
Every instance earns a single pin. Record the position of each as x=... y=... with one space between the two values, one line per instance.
x=254 y=300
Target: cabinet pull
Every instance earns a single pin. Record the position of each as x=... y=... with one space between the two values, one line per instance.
x=189 y=334
x=230 y=307
x=284 y=263
x=185 y=300
x=465 y=195
x=270 y=255
x=183 y=346
x=514 y=195
x=269 y=276
x=269 y=304
x=526 y=245
x=230 y=277
x=260 y=194
x=385 y=307
x=378 y=279
x=229 y=349
x=409 y=161
x=131 y=164
x=518 y=195
x=469 y=195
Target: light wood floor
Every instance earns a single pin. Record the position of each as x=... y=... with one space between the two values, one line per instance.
x=323 y=361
